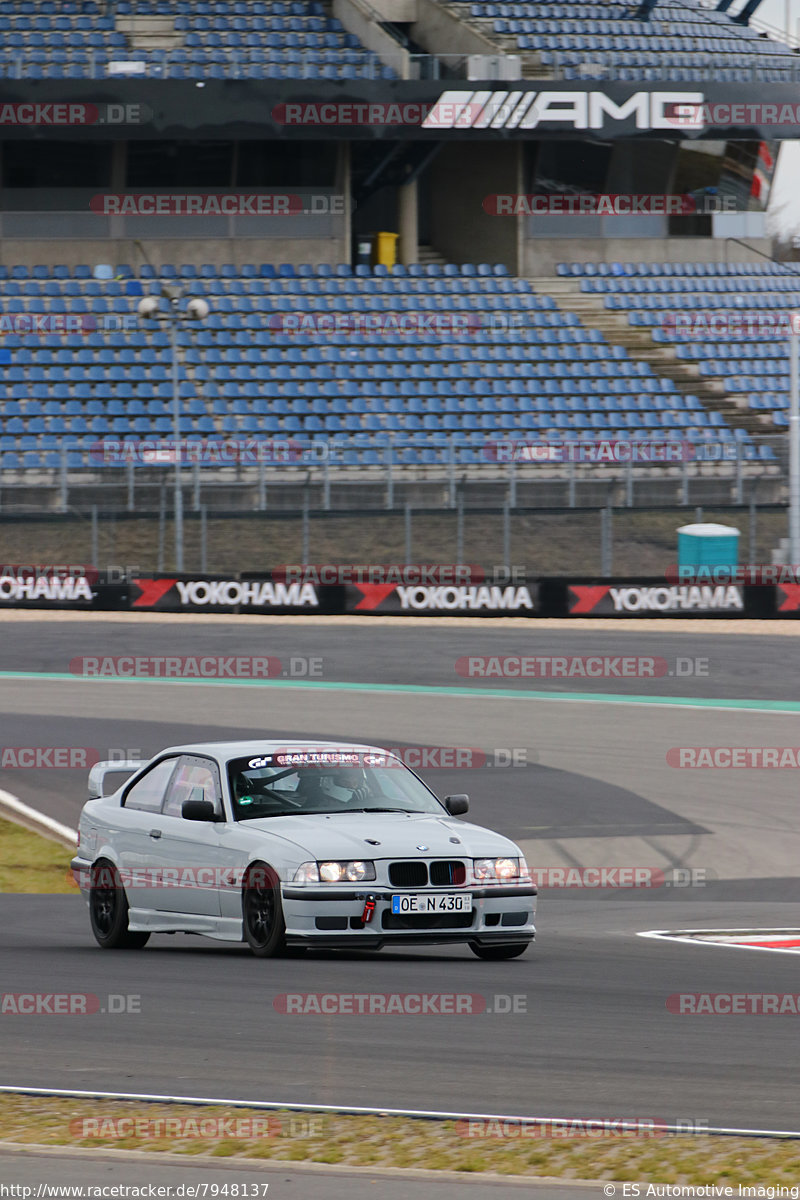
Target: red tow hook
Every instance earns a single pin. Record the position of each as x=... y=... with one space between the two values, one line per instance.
x=369 y=909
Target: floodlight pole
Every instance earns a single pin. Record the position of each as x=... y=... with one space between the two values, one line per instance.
x=197 y=309
x=794 y=441
x=176 y=426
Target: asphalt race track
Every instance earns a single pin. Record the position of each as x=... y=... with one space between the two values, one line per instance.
x=592 y=1035
x=595 y=1040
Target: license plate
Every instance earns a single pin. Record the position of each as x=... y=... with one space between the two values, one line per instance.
x=425 y=902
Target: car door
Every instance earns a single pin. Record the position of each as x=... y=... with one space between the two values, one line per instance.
x=191 y=855
x=138 y=833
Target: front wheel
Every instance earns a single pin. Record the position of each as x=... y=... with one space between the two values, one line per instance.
x=108 y=911
x=262 y=912
x=497 y=953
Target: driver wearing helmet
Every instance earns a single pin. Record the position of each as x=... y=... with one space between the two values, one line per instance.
x=342 y=786
x=350 y=785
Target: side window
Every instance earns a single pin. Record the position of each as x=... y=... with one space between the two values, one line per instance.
x=148 y=793
x=194 y=775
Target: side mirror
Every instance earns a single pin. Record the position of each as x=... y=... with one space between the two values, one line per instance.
x=456 y=805
x=198 y=810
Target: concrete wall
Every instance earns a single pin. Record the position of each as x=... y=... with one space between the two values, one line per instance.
x=461 y=177
x=362 y=19
x=442 y=33
x=400 y=12
x=318 y=232
x=541 y=256
x=242 y=250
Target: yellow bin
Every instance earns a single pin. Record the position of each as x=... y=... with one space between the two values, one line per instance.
x=385 y=252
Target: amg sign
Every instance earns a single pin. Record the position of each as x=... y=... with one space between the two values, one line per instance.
x=509 y=110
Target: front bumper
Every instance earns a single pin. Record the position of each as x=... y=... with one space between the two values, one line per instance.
x=332 y=916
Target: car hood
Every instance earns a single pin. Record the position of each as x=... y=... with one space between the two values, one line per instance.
x=343 y=836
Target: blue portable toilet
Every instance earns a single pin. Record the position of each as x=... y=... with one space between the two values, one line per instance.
x=708 y=545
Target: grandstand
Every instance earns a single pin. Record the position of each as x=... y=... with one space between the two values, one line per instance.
x=527 y=367
x=562 y=342
x=680 y=41
x=295 y=39
x=755 y=371
x=301 y=39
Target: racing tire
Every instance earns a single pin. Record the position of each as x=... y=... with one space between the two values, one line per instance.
x=262 y=912
x=498 y=953
x=108 y=910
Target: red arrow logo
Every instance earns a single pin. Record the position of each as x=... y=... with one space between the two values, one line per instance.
x=587 y=597
x=791 y=593
x=373 y=595
x=152 y=591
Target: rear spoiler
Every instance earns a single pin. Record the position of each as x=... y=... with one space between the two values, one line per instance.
x=99 y=771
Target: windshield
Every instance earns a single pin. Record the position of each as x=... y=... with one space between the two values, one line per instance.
x=289 y=782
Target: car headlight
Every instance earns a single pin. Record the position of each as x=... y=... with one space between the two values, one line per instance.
x=496 y=870
x=346 y=872
x=307 y=873
x=335 y=872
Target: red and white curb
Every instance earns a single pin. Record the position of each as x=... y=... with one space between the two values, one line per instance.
x=782 y=941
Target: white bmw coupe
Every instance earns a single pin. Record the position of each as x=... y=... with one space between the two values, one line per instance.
x=285 y=845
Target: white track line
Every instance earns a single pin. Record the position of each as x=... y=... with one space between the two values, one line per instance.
x=22 y=814
x=420 y=1114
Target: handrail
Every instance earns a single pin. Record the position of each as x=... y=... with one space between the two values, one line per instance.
x=755 y=250
x=599 y=65
x=760 y=26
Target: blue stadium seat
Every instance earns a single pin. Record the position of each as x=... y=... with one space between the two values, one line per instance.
x=554 y=372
